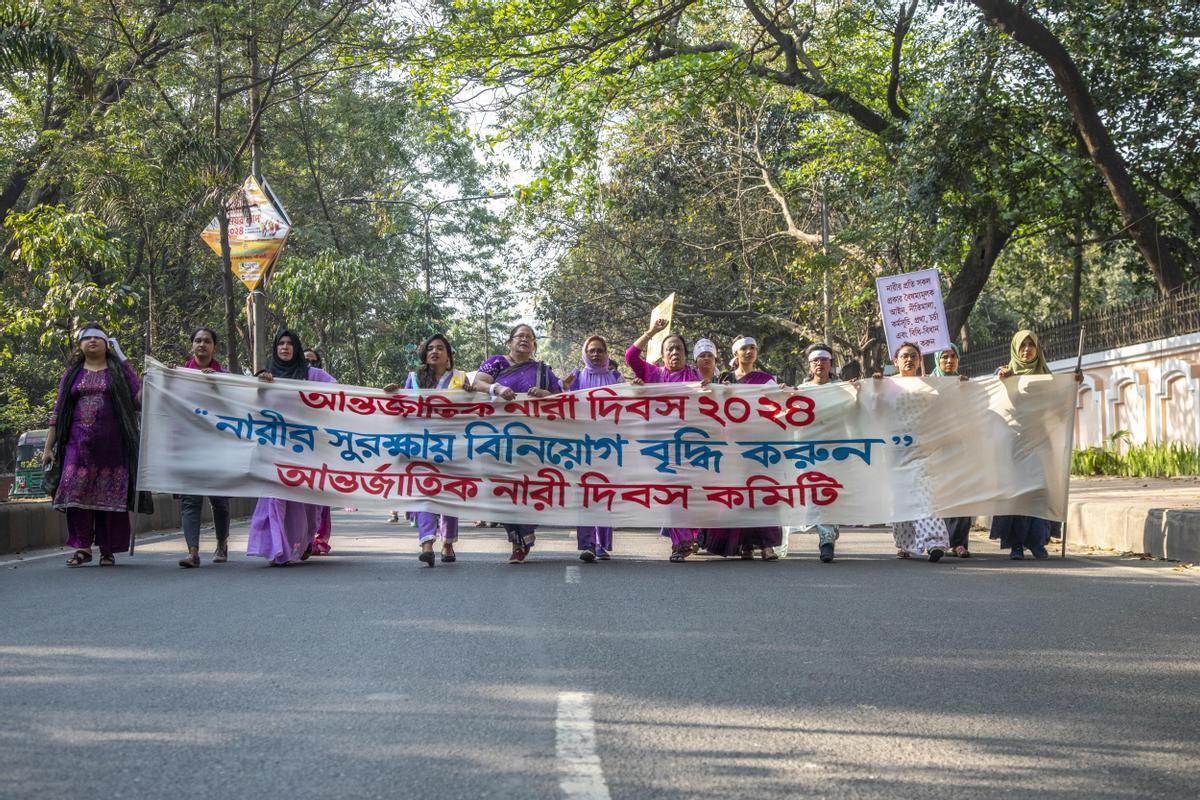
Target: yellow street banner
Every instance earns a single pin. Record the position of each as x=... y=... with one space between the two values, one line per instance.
x=664 y=310
x=258 y=229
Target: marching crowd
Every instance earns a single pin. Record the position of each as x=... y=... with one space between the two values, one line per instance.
x=92 y=448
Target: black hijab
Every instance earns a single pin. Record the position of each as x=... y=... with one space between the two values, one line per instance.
x=297 y=367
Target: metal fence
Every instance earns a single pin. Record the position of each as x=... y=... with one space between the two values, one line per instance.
x=1121 y=325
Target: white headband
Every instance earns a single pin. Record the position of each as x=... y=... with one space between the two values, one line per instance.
x=742 y=342
x=703 y=346
x=86 y=332
x=820 y=354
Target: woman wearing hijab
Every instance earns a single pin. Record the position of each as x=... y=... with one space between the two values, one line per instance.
x=728 y=542
x=945 y=365
x=93 y=440
x=505 y=376
x=675 y=369
x=594 y=542
x=1017 y=533
x=204 y=345
x=436 y=372
x=282 y=531
x=926 y=535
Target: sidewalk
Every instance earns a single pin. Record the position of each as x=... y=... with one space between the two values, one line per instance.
x=1158 y=516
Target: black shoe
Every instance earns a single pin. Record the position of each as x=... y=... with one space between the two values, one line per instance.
x=426 y=557
x=1016 y=554
x=935 y=555
x=826 y=553
x=587 y=556
x=307 y=554
x=1039 y=552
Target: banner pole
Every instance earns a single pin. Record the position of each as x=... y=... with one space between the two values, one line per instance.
x=1067 y=509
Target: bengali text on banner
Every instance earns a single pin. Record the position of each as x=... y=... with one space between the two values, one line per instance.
x=678 y=455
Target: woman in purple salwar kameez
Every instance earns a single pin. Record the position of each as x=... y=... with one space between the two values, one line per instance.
x=437 y=372
x=94 y=437
x=728 y=542
x=282 y=531
x=506 y=377
x=675 y=369
x=594 y=542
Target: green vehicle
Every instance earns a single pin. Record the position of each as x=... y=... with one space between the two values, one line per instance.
x=27 y=479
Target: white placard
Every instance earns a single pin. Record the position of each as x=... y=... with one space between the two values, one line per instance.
x=912 y=310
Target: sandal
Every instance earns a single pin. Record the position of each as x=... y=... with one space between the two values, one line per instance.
x=747 y=552
x=108 y=560
x=678 y=554
x=769 y=554
x=448 y=556
x=80 y=558
x=903 y=554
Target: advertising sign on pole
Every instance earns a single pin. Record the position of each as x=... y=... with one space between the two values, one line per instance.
x=258 y=228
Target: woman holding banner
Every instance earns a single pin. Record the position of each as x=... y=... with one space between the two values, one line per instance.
x=674 y=370
x=91 y=449
x=282 y=531
x=945 y=365
x=819 y=357
x=594 y=542
x=1016 y=533
x=204 y=345
x=727 y=542
x=926 y=535
x=437 y=372
x=505 y=376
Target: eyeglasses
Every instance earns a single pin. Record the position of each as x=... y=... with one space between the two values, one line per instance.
x=908 y=356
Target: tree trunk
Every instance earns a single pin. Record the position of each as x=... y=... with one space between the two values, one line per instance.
x=1140 y=223
x=976 y=269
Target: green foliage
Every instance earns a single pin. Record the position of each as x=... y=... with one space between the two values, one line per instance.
x=1138 y=461
x=74 y=271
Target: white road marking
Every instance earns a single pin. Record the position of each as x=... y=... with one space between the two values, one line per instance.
x=573 y=575
x=575 y=745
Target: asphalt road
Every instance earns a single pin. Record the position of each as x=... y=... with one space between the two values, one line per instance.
x=365 y=674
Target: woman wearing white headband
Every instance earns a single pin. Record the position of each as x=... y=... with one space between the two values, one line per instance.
x=704 y=356
x=820 y=372
x=742 y=541
x=745 y=357
x=92 y=448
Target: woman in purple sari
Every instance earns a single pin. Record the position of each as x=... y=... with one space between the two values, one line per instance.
x=506 y=377
x=727 y=542
x=282 y=531
x=594 y=542
x=94 y=437
x=675 y=369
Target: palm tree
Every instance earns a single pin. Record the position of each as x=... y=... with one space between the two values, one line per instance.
x=27 y=43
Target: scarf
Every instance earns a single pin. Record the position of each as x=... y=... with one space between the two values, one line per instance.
x=297 y=367
x=1037 y=366
x=213 y=364
x=937 y=362
x=591 y=373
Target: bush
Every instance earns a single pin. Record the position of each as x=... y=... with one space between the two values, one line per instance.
x=1137 y=461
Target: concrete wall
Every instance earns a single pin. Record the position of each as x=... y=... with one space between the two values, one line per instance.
x=1151 y=390
x=33 y=526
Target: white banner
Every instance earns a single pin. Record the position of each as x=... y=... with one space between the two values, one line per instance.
x=912 y=311
x=664 y=455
